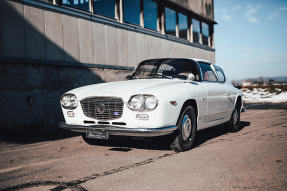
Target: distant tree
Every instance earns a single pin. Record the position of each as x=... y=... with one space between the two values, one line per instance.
x=261 y=81
x=271 y=82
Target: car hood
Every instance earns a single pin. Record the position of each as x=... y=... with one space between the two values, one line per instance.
x=125 y=89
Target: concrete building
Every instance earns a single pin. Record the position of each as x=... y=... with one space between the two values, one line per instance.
x=50 y=46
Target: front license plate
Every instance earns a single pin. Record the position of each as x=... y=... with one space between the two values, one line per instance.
x=96 y=134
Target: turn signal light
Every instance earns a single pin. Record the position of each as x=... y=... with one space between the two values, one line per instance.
x=71 y=114
x=142 y=117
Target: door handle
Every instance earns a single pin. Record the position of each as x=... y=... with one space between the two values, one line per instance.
x=226 y=94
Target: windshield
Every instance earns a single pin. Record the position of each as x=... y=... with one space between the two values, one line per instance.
x=165 y=68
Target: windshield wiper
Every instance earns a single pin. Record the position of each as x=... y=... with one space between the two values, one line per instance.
x=159 y=75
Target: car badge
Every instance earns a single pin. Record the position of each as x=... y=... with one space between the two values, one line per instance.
x=101 y=108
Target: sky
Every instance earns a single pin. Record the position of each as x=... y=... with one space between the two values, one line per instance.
x=251 y=38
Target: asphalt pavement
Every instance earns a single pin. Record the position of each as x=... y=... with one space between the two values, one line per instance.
x=255 y=158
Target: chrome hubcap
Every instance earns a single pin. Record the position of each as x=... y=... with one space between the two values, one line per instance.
x=186 y=127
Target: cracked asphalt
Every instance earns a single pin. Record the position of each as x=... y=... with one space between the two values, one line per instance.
x=255 y=158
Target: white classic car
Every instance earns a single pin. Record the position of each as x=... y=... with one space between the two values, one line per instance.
x=173 y=96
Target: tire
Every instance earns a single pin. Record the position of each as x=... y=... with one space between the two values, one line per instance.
x=233 y=124
x=186 y=130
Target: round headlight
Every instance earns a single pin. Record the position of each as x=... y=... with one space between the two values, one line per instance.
x=69 y=101
x=151 y=102
x=136 y=102
x=65 y=101
x=74 y=101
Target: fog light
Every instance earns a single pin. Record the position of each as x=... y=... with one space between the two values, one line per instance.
x=71 y=114
x=142 y=117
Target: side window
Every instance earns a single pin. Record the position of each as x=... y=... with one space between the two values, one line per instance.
x=132 y=11
x=207 y=73
x=220 y=74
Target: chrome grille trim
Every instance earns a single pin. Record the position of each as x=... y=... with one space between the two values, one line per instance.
x=102 y=108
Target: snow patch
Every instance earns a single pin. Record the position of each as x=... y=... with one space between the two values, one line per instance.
x=263 y=96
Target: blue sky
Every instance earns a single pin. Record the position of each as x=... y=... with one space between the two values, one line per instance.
x=251 y=38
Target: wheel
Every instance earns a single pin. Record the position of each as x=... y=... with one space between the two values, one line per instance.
x=233 y=124
x=186 y=130
x=89 y=141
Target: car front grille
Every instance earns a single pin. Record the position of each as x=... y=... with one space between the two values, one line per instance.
x=103 y=108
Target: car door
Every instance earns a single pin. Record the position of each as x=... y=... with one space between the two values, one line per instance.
x=229 y=97
x=216 y=94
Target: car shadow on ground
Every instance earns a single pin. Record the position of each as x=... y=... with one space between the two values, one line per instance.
x=213 y=132
x=126 y=144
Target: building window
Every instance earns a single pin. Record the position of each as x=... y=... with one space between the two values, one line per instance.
x=170 y=21
x=182 y=26
x=81 y=4
x=150 y=14
x=205 y=33
x=195 y=30
x=105 y=7
x=132 y=11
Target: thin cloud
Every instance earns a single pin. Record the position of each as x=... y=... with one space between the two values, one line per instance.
x=225 y=15
x=275 y=14
x=251 y=12
x=249 y=7
x=235 y=8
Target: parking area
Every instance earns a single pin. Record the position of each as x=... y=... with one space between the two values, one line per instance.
x=254 y=158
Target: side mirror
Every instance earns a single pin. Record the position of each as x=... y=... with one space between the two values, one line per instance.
x=190 y=77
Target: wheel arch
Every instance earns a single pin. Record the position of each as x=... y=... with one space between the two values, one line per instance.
x=192 y=103
x=238 y=103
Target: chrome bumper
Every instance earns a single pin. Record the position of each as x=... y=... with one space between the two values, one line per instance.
x=122 y=131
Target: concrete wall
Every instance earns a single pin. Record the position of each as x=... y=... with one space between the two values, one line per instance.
x=45 y=52
x=202 y=7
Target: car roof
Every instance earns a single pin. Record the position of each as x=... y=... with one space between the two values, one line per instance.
x=200 y=60
x=193 y=59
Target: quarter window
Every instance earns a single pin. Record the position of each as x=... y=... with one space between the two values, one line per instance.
x=132 y=11
x=105 y=7
x=220 y=74
x=195 y=30
x=207 y=73
x=182 y=25
x=170 y=21
x=150 y=14
x=81 y=4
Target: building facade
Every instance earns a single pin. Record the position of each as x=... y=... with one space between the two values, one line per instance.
x=50 y=46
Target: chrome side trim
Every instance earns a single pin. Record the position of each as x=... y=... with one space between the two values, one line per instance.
x=122 y=131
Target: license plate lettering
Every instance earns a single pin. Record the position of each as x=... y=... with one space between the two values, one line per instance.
x=96 y=134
